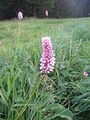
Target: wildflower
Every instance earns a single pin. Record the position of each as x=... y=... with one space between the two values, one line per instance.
x=20 y=15
x=62 y=66
x=59 y=28
x=46 y=13
x=48 y=58
x=85 y=74
x=0 y=43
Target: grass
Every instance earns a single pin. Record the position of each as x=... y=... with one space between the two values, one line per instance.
x=63 y=94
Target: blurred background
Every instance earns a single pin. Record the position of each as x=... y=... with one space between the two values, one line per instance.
x=36 y=8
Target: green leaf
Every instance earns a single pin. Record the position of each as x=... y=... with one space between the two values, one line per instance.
x=9 y=86
x=58 y=110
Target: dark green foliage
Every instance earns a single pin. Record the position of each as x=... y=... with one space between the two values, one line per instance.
x=37 y=8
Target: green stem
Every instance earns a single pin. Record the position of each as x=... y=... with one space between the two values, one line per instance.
x=17 y=45
x=28 y=101
x=69 y=95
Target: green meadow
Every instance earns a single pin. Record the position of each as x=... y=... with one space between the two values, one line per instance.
x=25 y=93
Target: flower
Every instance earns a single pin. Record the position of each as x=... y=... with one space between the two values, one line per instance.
x=46 y=13
x=48 y=58
x=59 y=28
x=62 y=66
x=20 y=15
x=85 y=74
x=0 y=43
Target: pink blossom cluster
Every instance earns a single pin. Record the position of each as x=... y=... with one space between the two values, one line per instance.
x=20 y=15
x=46 y=13
x=48 y=58
x=85 y=74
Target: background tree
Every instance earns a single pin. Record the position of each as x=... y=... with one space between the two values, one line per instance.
x=37 y=8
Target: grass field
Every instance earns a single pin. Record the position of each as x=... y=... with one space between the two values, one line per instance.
x=63 y=94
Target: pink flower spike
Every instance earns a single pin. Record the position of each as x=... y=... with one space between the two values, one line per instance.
x=20 y=15
x=85 y=74
x=48 y=58
x=46 y=13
